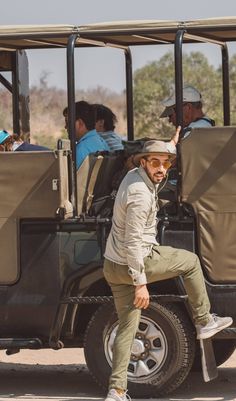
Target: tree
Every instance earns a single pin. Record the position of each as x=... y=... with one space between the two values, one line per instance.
x=232 y=71
x=153 y=82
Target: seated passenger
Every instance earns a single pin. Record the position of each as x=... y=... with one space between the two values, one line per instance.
x=105 y=125
x=13 y=143
x=193 y=115
x=88 y=139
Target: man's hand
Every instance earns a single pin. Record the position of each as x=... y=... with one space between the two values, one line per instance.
x=141 y=299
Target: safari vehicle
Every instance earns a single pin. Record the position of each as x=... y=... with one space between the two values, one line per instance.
x=53 y=234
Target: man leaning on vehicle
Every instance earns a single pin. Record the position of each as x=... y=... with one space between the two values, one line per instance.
x=133 y=258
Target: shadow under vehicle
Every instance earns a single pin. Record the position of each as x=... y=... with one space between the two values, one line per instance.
x=54 y=221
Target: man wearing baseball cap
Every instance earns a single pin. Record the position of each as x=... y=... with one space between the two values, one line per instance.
x=193 y=116
x=133 y=258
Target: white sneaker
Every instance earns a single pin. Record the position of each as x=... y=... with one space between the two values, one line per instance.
x=215 y=324
x=114 y=396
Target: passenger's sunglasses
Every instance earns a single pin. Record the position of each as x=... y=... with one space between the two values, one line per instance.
x=157 y=163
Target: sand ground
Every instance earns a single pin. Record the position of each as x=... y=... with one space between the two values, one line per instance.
x=63 y=376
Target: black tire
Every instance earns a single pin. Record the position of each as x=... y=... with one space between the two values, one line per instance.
x=223 y=349
x=174 y=341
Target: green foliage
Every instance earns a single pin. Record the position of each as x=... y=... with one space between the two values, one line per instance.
x=232 y=71
x=153 y=83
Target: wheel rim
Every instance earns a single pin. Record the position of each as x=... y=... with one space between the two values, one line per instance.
x=149 y=349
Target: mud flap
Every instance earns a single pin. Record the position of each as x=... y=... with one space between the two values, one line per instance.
x=209 y=368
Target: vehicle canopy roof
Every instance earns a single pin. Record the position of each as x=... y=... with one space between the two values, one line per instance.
x=118 y=33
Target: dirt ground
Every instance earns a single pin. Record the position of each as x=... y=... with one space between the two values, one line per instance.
x=63 y=376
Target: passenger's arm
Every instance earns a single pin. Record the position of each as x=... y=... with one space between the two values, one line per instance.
x=174 y=140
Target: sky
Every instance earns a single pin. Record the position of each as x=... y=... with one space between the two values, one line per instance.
x=105 y=67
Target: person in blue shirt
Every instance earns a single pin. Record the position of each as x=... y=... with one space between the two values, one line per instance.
x=105 y=125
x=88 y=140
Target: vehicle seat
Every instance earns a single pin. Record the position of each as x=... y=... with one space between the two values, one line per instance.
x=94 y=181
x=86 y=176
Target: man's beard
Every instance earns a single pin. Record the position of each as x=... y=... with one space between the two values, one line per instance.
x=158 y=179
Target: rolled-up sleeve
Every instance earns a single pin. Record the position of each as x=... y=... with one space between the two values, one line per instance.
x=138 y=210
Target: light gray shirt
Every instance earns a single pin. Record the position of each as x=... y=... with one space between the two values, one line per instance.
x=134 y=225
x=204 y=122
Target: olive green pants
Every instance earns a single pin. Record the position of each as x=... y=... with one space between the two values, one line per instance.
x=163 y=263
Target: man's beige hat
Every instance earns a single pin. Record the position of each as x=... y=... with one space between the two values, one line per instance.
x=190 y=94
x=153 y=147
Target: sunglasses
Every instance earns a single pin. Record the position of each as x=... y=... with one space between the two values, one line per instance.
x=157 y=163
